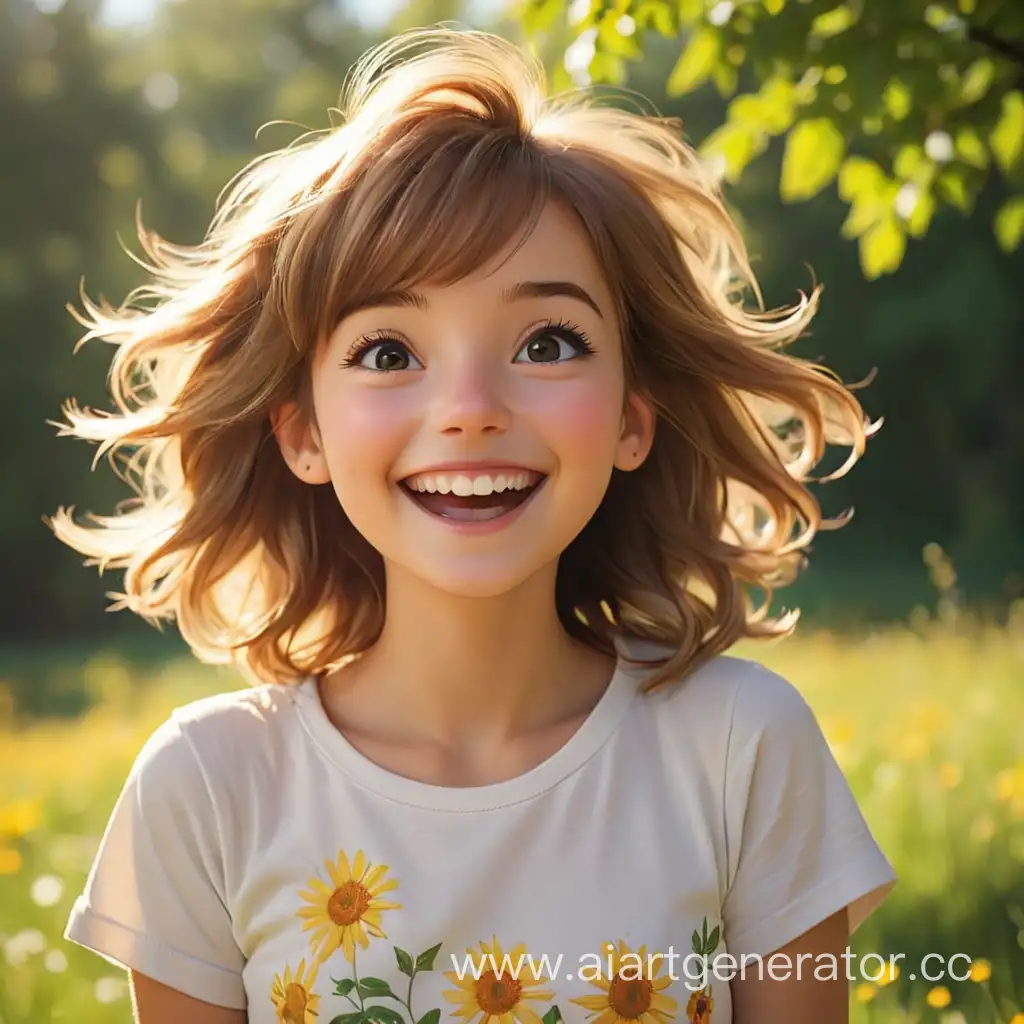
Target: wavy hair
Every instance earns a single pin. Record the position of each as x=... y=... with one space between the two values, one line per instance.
x=263 y=571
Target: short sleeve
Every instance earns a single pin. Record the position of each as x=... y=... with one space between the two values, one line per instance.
x=154 y=898
x=798 y=847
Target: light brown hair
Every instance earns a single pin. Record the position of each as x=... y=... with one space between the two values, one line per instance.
x=448 y=150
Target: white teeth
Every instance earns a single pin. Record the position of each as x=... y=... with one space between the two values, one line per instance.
x=465 y=485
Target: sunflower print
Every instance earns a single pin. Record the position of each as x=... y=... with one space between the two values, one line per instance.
x=631 y=995
x=497 y=996
x=699 y=1007
x=348 y=910
x=294 y=998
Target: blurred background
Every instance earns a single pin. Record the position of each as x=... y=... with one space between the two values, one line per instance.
x=874 y=146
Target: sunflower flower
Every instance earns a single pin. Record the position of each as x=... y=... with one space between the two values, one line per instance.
x=496 y=992
x=632 y=992
x=348 y=910
x=294 y=998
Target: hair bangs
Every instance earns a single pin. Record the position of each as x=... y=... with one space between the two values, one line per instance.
x=423 y=211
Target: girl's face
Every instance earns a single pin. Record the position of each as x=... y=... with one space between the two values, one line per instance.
x=470 y=431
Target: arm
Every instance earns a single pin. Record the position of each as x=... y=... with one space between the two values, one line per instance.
x=155 y=1003
x=798 y=997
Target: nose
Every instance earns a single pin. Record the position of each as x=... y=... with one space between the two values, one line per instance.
x=470 y=398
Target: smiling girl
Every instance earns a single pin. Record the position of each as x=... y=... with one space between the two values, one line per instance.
x=455 y=436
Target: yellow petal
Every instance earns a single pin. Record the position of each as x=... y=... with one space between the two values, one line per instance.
x=349 y=944
x=524 y=1014
x=374 y=875
x=459 y=996
x=608 y=1017
x=344 y=871
x=591 y=1002
x=359 y=866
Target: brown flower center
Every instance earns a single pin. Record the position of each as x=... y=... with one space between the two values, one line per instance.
x=294 y=1009
x=630 y=997
x=348 y=903
x=497 y=995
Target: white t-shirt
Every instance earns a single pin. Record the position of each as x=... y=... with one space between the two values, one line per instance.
x=255 y=859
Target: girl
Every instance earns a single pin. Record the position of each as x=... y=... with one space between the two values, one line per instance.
x=455 y=436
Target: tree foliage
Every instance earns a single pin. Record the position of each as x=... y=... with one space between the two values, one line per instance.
x=906 y=105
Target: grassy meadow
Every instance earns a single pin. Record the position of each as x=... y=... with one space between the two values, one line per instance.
x=927 y=719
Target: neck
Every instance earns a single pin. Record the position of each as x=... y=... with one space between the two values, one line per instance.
x=446 y=665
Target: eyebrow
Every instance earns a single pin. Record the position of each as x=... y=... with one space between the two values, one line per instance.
x=402 y=298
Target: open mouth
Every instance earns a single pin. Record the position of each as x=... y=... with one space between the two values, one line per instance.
x=474 y=498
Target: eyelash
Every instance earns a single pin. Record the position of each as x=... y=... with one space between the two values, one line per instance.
x=576 y=337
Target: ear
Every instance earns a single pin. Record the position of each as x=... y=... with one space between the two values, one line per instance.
x=299 y=441
x=637 y=435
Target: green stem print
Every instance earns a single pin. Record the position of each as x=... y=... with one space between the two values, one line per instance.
x=370 y=988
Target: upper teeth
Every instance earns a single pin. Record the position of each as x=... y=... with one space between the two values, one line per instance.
x=464 y=485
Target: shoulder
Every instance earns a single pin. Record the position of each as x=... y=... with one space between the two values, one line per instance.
x=236 y=734
x=738 y=694
x=729 y=712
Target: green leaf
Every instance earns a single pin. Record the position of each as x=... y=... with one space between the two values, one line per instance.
x=690 y=10
x=656 y=14
x=713 y=941
x=971 y=149
x=814 y=151
x=918 y=221
x=553 y=1016
x=912 y=164
x=897 y=99
x=355 y=1017
x=833 y=22
x=695 y=943
x=1007 y=138
x=977 y=79
x=384 y=1015
x=882 y=248
x=430 y=1017
x=777 y=105
x=859 y=176
x=425 y=961
x=695 y=63
x=609 y=38
x=343 y=987
x=375 y=988
x=726 y=79
x=774 y=7
x=735 y=144
x=538 y=15
x=862 y=216
x=953 y=187
x=1009 y=223
x=405 y=964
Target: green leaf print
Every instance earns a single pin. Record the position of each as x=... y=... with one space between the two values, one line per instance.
x=430 y=1017
x=425 y=961
x=405 y=964
x=375 y=988
x=384 y=1015
x=356 y=1017
x=343 y=987
x=713 y=941
x=696 y=943
x=553 y=1016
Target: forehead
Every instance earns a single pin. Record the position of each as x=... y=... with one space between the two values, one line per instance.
x=555 y=248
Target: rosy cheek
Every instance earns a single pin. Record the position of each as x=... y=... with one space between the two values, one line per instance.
x=579 y=416
x=363 y=427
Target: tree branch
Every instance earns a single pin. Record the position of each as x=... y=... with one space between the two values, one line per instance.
x=1004 y=47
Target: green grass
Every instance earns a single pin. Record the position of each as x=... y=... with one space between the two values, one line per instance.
x=927 y=723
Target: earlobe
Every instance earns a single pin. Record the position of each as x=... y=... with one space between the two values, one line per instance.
x=299 y=443
x=637 y=435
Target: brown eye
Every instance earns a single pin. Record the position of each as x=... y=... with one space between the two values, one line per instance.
x=386 y=356
x=559 y=344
